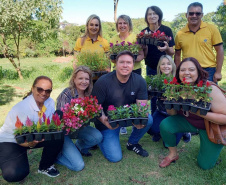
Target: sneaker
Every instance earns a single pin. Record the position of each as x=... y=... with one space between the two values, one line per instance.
x=123 y=131
x=137 y=149
x=187 y=137
x=51 y=171
x=156 y=137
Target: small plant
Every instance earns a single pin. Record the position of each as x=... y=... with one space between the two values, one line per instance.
x=112 y=113
x=57 y=125
x=19 y=127
x=94 y=60
x=143 y=110
x=119 y=47
x=29 y=126
x=172 y=89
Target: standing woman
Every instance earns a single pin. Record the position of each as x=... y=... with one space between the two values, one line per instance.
x=165 y=66
x=92 y=40
x=124 y=28
x=13 y=157
x=80 y=85
x=153 y=18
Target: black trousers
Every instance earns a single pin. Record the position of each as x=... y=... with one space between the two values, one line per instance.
x=14 y=161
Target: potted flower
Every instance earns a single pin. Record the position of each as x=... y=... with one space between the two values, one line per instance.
x=115 y=49
x=201 y=98
x=112 y=115
x=78 y=113
x=96 y=61
x=57 y=126
x=18 y=131
x=155 y=38
x=28 y=130
x=38 y=132
x=140 y=113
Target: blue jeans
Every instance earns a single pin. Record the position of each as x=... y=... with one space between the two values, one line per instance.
x=110 y=145
x=157 y=119
x=70 y=156
x=149 y=72
x=211 y=71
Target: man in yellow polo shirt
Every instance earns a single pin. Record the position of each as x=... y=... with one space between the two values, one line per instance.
x=197 y=39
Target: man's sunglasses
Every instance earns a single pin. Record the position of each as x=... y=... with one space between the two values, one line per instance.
x=40 y=90
x=196 y=13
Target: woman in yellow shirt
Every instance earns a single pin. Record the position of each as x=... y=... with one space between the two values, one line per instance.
x=124 y=28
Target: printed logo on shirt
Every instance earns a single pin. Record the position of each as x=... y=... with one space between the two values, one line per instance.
x=132 y=93
x=101 y=46
x=205 y=40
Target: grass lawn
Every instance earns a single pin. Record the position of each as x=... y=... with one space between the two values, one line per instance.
x=133 y=169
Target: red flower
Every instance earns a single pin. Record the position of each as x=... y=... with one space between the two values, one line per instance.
x=208 y=84
x=141 y=34
x=165 y=81
x=111 y=108
x=200 y=84
x=18 y=123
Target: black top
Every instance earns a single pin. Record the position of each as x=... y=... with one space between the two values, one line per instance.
x=110 y=91
x=154 y=54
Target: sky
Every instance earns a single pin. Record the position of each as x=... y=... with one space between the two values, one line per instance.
x=77 y=11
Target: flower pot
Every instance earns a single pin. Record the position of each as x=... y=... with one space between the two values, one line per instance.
x=142 y=41
x=98 y=74
x=136 y=121
x=20 y=139
x=73 y=135
x=29 y=137
x=139 y=40
x=151 y=40
x=159 y=94
x=168 y=105
x=185 y=107
x=47 y=136
x=135 y=57
x=37 y=136
x=129 y=122
x=140 y=121
x=160 y=43
x=205 y=108
x=113 y=56
x=58 y=135
x=113 y=123
x=194 y=108
x=147 y=41
x=176 y=106
x=122 y=123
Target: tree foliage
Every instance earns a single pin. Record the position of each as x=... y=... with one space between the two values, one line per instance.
x=35 y=19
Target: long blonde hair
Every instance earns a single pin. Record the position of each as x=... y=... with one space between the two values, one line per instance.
x=173 y=72
x=72 y=86
x=90 y=18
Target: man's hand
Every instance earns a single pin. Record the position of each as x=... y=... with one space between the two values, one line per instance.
x=217 y=77
x=104 y=120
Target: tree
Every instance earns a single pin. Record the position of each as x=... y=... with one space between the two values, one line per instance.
x=34 y=19
x=179 y=22
x=115 y=9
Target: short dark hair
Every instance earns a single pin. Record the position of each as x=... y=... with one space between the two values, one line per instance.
x=157 y=10
x=195 y=4
x=202 y=74
x=125 y=53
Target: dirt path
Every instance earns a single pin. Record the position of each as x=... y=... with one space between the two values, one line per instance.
x=64 y=59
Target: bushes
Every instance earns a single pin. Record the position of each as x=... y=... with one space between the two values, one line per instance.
x=10 y=74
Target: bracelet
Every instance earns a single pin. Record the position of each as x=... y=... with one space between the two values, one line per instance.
x=29 y=145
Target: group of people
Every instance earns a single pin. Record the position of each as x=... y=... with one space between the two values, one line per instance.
x=124 y=85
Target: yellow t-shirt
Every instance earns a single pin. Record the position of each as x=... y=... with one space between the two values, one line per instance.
x=200 y=44
x=100 y=45
x=131 y=38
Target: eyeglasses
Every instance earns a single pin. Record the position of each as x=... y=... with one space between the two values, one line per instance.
x=40 y=90
x=196 y=13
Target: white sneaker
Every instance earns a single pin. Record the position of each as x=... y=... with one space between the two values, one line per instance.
x=123 y=131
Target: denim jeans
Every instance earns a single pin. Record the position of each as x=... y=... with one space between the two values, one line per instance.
x=110 y=145
x=211 y=71
x=149 y=72
x=157 y=119
x=70 y=156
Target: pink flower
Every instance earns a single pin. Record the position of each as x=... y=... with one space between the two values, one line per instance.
x=111 y=108
x=29 y=123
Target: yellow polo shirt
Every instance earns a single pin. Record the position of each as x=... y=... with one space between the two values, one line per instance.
x=131 y=38
x=100 y=45
x=200 y=44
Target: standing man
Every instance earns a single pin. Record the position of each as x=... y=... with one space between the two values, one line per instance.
x=197 y=39
x=120 y=87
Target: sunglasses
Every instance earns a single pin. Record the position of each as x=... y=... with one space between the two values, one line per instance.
x=196 y=13
x=40 y=90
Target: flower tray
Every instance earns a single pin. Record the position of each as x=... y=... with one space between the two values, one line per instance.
x=153 y=93
x=150 y=41
x=140 y=121
x=121 y=123
x=113 y=56
x=98 y=74
x=74 y=135
x=47 y=136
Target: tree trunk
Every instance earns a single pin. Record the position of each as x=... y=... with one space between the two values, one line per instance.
x=115 y=9
x=7 y=55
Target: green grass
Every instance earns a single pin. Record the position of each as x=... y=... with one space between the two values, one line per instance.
x=133 y=169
